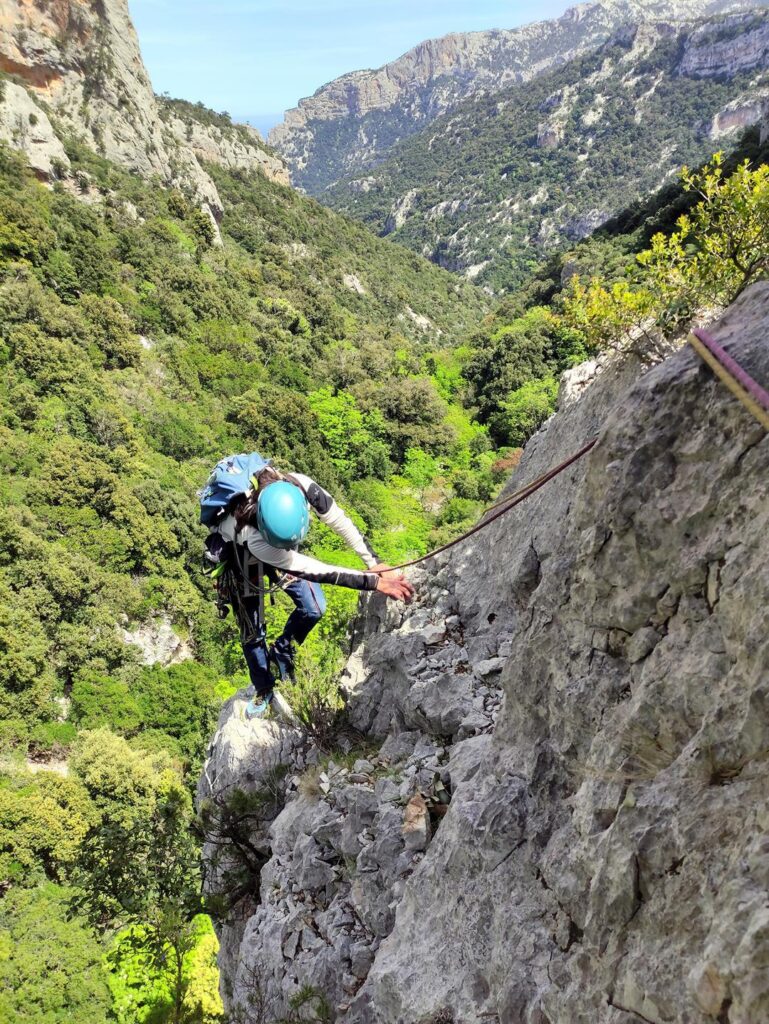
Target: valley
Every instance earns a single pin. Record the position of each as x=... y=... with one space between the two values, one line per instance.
x=436 y=282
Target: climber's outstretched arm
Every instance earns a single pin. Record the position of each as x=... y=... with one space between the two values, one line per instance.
x=337 y=519
x=308 y=568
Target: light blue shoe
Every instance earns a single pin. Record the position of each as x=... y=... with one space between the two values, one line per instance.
x=258 y=707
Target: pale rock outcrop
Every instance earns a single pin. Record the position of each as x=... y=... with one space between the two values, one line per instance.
x=82 y=58
x=354 y=283
x=79 y=60
x=548 y=136
x=238 y=147
x=400 y=211
x=25 y=125
x=740 y=113
x=584 y=224
x=158 y=642
x=565 y=816
x=710 y=51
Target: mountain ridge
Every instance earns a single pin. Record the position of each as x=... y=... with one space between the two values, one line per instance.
x=510 y=176
x=352 y=122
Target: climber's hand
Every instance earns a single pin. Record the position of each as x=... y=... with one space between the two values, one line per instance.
x=398 y=588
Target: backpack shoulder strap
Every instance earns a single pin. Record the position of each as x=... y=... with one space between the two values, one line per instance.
x=257 y=587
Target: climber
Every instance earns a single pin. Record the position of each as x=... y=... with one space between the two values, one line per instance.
x=258 y=518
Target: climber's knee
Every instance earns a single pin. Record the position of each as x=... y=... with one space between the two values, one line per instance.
x=309 y=599
x=315 y=605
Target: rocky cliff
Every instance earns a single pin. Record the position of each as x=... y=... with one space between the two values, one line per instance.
x=535 y=167
x=73 y=67
x=558 y=811
x=353 y=122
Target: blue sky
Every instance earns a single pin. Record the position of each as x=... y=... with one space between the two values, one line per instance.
x=256 y=58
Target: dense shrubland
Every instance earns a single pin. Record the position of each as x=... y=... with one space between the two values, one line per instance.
x=134 y=353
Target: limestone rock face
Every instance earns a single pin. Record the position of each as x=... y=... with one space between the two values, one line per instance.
x=710 y=53
x=564 y=817
x=366 y=112
x=740 y=113
x=158 y=642
x=25 y=125
x=234 y=146
x=80 y=61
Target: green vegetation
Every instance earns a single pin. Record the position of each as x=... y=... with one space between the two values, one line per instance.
x=107 y=847
x=50 y=961
x=719 y=248
x=134 y=353
x=513 y=175
x=514 y=371
x=694 y=245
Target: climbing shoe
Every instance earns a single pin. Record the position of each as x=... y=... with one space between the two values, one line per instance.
x=259 y=705
x=283 y=660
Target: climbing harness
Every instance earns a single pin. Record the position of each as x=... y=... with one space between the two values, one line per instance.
x=728 y=370
x=235 y=578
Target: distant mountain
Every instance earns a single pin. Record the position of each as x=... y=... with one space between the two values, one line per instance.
x=353 y=122
x=510 y=176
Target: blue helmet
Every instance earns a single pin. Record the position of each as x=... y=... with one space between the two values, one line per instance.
x=282 y=515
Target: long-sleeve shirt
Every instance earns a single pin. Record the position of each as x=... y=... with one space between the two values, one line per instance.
x=303 y=566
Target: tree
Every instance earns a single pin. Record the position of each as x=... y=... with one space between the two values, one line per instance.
x=139 y=863
x=352 y=447
x=524 y=412
x=606 y=314
x=43 y=821
x=539 y=343
x=26 y=680
x=145 y=986
x=720 y=248
x=50 y=961
x=139 y=854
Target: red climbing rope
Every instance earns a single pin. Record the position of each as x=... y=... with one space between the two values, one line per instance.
x=506 y=505
x=742 y=377
x=740 y=383
x=731 y=374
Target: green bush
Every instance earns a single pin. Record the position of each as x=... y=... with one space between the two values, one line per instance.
x=524 y=412
x=50 y=962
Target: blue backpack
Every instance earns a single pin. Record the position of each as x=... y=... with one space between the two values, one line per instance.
x=231 y=478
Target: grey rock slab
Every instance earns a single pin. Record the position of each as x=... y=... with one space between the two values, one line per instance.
x=604 y=855
x=386 y=790
x=489 y=667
